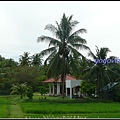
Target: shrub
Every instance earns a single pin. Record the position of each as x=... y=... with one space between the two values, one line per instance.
x=19 y=89
x=29 y=92
x=87 y=88
x=43 y=90
x=115 y=93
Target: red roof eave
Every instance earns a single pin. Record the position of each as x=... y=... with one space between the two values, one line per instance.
x=51 y=80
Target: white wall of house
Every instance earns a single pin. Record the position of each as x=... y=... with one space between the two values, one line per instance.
x=52 y=87
x=70 y=84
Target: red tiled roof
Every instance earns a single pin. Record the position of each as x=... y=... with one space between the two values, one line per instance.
x=51 y=80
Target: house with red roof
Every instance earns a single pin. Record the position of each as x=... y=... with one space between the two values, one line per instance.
x=55 y=86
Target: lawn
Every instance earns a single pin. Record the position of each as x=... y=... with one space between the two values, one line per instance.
x=56 y=107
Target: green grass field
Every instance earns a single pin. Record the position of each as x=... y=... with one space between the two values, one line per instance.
x=78 y=110
x=4 y=107
x=56 y=107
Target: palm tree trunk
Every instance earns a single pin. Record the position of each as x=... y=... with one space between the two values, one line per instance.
x=63 y=76
x=21 y=96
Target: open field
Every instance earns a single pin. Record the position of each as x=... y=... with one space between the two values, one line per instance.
x=56 y=107
x=4 y=107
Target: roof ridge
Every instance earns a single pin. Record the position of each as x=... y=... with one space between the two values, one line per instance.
x=70 y=75
x=59 y=78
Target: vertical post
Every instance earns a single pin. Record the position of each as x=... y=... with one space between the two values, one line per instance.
x=66 y=91
x=50 y=89
x=58 y=88
x=53 y=88
x=70 y=92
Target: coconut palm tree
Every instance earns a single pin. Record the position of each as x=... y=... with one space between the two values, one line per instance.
x=11 y=63
x=25 y=59
x=78 y=65
x=100 y=72
x=64 y=46
x=36 y=60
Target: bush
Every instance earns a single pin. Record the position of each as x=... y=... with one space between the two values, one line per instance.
x=43 y=89
x=19 y=88
x=88 y=88
x=29 y=92
x=115 y=95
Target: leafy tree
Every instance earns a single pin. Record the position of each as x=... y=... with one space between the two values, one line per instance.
x=29 y=74
x=63 y=48
x=29 y=92
x=11 y=63
x=19 y=89
x=6 y=67
x=88 y=88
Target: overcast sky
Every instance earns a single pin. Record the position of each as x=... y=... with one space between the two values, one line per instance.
x=21 y=22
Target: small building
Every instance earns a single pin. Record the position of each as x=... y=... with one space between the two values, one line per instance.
x=55 y=86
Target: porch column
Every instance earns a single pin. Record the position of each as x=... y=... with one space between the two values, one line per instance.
x=58 y=88
x=70 y=92
x=66 y=91
x=50 y=89
x=53 y=88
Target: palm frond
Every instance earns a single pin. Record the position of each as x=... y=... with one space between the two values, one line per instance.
x=80 y=46
x=59 y=32
x=102 y=52
x=94 y=71
x=53 y=66
x=90 y=53
x=78 y=32
x=76 y=39
x=74 y=23
x=55 y=42
x=74 y=52
x=45 y=38
x=73 y=65
x=51 y=28
x=47 y=51
x=70 y=18
x=50 y=56
x=113 y=72
x=86 y=69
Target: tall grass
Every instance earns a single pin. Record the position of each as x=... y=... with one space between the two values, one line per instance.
x=58 y=109
x=4 y=107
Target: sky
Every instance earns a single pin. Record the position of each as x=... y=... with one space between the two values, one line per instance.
x=22 y=22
